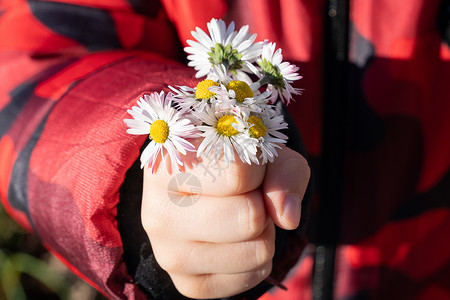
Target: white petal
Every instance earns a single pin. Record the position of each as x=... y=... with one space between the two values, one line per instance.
x=148 y=153
x=241 y=36
x=202 y=37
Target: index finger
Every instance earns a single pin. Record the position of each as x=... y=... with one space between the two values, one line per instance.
x=213 y=178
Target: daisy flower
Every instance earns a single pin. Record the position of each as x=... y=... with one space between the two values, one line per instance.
x=221 y=137
x=222 y=91
x=197 y=98
x=167 y=129
x=187 y=98
x=239 y=97
x=235 y=95
x=277 y=74
x=262 y=130
x=223 y=46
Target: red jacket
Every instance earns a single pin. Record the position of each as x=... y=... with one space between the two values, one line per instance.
x=373 y=119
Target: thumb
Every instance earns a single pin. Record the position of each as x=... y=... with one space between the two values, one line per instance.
x=284 y=186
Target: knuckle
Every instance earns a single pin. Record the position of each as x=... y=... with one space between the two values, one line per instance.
x=304 y=166
x=242 y=178
x=252 y=216
x=171 y=261
x=153 y=224
x=208 y=285
x=265 y=249
x=266 y=270
x=155 y=215
x=259 y=275
x=253 y=278
x=236 y=178
x=299 y=163
x=195 y=286
x=263 y=253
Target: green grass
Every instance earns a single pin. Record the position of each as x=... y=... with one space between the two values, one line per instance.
x=28 y=271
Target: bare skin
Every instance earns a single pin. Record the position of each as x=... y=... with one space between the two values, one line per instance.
x=223 y=244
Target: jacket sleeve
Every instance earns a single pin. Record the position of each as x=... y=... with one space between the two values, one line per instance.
x=67 y=167
x=65 y=155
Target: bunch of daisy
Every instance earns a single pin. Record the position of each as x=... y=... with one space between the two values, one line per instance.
x=234 y=108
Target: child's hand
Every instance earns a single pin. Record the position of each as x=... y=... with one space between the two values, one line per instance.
x=223 y=244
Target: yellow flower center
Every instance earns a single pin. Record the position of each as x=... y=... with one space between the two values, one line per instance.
x=159 y=131
x=241 y=88
x=202 y=92
x=224 y=126
x=258 y=129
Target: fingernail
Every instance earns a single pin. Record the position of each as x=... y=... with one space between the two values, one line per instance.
x=292 y=209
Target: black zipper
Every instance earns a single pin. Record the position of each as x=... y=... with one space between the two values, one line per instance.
x=331 y=180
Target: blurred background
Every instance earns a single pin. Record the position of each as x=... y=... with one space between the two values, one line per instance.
x=29 y=271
